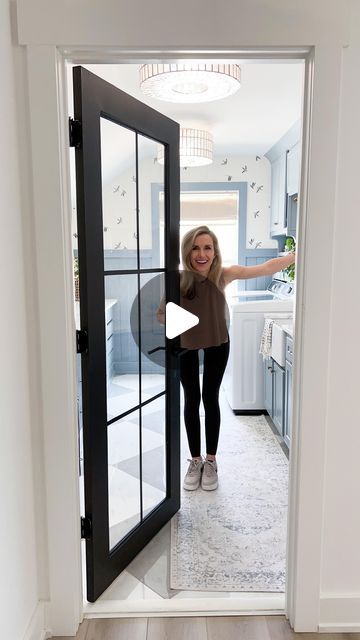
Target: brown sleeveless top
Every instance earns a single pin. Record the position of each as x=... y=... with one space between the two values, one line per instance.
x=210 y=306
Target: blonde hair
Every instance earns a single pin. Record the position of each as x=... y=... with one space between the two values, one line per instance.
x=187 y=277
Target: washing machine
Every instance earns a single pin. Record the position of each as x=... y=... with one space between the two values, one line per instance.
x=243 y=380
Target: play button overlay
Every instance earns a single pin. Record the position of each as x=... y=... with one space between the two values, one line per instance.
x=153 y=321
x=178 y=320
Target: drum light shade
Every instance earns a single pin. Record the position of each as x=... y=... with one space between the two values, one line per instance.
x=190 y=82
x=196 y=148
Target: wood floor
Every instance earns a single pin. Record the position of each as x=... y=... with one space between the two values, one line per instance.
x=226 y=628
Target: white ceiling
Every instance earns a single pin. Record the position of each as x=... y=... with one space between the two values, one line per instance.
x=250 y=122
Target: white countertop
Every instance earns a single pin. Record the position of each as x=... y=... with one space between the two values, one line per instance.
x=109 y=302
x=287 y=326
x=251 y=293
x=289 y=330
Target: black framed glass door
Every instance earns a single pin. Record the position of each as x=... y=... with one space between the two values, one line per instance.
x=130 y=379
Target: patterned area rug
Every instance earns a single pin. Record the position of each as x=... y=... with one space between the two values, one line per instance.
x=234 y=538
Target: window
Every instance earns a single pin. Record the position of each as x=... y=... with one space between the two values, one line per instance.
x=216 y=209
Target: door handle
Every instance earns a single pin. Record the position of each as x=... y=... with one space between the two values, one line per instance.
x=176 y=351
x=156 y=349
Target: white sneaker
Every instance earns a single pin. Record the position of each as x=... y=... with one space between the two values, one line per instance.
x=209 y=480
x=193 y=475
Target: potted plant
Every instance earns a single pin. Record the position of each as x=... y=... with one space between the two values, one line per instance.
x=290 y=245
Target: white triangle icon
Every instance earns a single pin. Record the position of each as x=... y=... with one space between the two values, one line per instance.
x=178 y=320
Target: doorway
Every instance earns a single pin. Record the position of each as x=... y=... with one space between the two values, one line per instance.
x=249 y=239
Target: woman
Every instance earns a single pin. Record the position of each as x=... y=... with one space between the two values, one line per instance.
x=202 y=292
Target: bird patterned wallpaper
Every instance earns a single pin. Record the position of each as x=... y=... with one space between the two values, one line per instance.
x=119 y=199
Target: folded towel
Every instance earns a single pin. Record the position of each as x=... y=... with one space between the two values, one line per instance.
x=266 y=338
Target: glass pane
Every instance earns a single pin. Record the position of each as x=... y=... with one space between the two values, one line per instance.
x=118 y=172
x=152 y=334
x=123 y=476
x=153 y=454
x=151 y=206
x=122 y=353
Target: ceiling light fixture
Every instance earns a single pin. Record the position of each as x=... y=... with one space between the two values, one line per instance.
x=196 y=148
x=190 y=82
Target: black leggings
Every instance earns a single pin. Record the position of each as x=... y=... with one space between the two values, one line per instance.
x=215 y=359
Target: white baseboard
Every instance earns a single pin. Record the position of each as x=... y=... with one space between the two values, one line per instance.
x=36 y=629
x=339 y=613
x=243 y=604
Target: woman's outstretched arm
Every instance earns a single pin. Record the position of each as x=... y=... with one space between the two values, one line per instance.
x=238 y=272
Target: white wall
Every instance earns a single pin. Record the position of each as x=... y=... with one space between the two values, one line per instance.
x=341 y=537
x=21 y=531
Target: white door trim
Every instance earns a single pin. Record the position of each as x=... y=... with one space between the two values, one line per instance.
x=52 y=213
x=48 y=113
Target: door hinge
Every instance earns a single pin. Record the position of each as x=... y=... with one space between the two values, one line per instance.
x=86 y=528
x=81 y=341
x=75 y=133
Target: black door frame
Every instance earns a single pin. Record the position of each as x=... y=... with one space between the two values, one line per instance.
x=95 y=98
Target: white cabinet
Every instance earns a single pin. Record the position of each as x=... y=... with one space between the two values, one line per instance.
x=244 y=378
x=293 y=169
x=278 y=196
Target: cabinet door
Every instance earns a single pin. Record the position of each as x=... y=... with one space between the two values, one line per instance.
x=291 y=215
x=274 y=223
x=293 y=170
x=268 y=383
x=278 y=397
x=288 y=403
x=278 y=196
x=282 y=193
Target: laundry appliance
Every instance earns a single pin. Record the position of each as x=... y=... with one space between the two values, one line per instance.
x=243 y=380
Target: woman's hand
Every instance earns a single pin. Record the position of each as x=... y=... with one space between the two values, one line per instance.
x=288 y=259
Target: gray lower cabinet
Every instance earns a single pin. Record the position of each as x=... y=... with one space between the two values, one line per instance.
x=288 y=390
x=278 y=392
x=274 y=382
x=109 y=318
x=109 y=328
x=278 y=397
x=268 y=374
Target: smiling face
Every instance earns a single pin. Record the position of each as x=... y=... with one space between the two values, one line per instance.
x=202 y=253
